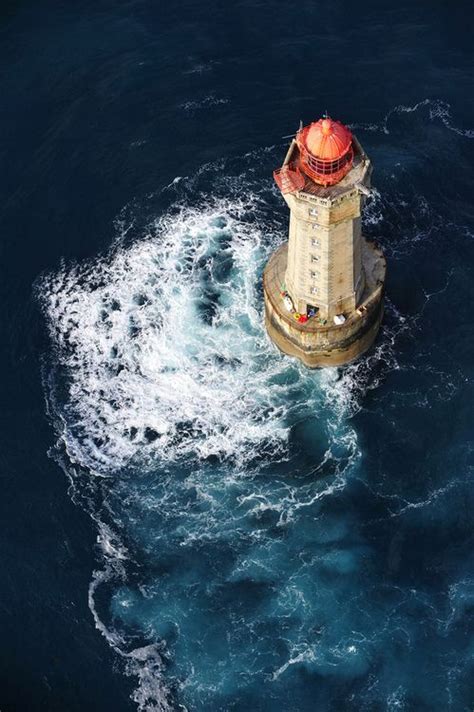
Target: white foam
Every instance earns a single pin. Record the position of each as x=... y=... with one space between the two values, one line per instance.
x=111 y=546
x=145 y=663
x=211 y=100
x=300 y=654
x=396 y=700
x=146 y=374
x=437 y=110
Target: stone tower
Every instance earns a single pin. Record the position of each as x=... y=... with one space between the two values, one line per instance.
x=324 y=287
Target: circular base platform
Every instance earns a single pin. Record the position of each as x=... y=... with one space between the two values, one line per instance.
x=318 y=345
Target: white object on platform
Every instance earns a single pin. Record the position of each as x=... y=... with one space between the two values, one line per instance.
x=287 y=301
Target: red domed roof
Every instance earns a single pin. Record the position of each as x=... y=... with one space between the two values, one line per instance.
x=328 y=139
x=326 y=152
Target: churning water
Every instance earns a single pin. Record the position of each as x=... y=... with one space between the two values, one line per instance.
x=239 y=515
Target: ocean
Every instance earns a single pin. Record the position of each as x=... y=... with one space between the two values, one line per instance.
x=190 y=519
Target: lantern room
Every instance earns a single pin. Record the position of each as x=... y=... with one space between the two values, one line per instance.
x=325 y=155
x=326 y=152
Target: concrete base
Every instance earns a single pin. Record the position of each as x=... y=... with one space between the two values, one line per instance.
x=315 y=344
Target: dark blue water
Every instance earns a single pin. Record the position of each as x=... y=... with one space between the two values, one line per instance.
x=191 y=520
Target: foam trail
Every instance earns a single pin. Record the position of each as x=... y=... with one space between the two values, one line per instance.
x=437 y=109
x=145 y=663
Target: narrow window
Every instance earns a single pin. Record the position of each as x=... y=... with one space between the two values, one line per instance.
x=314 y=275
x=315 y=242
x=314 y=290
x=314 y=258
x=313 y=211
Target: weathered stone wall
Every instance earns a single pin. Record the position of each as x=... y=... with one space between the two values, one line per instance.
x=336 y=353
x=330 y=347
x=319 y=344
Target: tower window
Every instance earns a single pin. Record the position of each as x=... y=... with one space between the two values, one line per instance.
x=313 y=275
x=314 y=258
x=313 y=211
x=315 y=242
x=315 y=226
x=314 y=290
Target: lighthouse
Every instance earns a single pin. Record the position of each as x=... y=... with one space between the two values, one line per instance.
x=324 y=287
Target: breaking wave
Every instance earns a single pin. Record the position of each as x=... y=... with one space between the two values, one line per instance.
x=163 y=346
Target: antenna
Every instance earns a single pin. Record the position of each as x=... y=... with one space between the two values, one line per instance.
x=294 y=134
